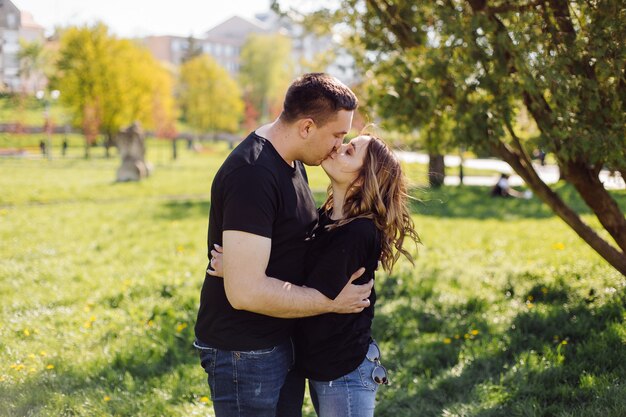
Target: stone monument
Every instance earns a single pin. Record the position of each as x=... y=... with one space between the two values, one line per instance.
x=130 y=143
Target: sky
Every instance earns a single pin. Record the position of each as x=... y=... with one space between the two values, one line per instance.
x=134 y=18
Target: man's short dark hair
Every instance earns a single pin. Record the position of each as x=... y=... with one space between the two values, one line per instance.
x=317 y=96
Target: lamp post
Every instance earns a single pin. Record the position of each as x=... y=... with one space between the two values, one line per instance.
x=47 y=99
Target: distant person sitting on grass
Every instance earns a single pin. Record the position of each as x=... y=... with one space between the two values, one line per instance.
x=503 y=189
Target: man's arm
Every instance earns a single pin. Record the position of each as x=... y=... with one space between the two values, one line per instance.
x=246 y=257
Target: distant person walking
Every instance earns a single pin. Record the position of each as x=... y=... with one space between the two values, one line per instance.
x=64 y=147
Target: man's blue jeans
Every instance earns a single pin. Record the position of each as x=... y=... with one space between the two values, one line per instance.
x=246 y=383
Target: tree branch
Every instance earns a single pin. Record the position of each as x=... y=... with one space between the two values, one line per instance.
x=507 y=7
x=395 y=24
x=612 y=255
x=585 y=180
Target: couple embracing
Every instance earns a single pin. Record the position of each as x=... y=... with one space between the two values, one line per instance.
x=289 y=293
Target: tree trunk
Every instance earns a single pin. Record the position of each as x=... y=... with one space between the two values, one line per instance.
x=622 y=172
x=588 y=185
x=87 y=147
x=107 y=145
x=436 y=170
x=612 y=255
x=174 y=150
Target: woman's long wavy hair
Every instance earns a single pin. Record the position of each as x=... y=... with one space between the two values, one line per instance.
x=380 y=193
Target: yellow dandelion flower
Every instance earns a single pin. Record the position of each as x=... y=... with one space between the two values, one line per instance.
x=564 y=342
x=447 y=340
x=31 y=356
x=529 y=304
x=530 y=298
x=107 y=398
x=20 y=367
x=466 y=335
x=13 y=366
x=2 y=378
x=474 y=332
x=87 y=308
x=92 y=319
x=3 y=212
x=50 y=366
x=150 y=323
x=558 y=246
x=43 y=353
x=181 y=327
x=31 y=370
x=204 y=399
x=26 y=332
x=180 y=249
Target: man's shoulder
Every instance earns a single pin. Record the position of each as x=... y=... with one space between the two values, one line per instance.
x=251 y=155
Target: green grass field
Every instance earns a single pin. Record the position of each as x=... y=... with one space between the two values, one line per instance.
x=506 y=312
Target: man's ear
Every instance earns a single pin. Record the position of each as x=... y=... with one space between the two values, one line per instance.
x=306 y=127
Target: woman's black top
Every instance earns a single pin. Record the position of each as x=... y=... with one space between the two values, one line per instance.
x=332 y=345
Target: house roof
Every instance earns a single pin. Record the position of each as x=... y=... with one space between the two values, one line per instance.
x=27 y=21
x=236 y=26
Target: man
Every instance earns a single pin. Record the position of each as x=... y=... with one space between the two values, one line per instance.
x=261 y=212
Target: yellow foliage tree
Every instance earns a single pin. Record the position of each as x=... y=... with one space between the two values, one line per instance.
x=266 y=71
x=209 y=98
x=108 y=83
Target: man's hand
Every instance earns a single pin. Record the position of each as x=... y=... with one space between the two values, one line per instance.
x=353 y=298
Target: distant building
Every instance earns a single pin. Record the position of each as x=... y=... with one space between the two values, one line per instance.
x=308 y=47
x=167 y=48
x=15 y=25
x=31 y=31
x=9 y=46
x=224 y=42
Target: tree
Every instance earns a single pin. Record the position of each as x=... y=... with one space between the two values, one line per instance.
x=34 y=61
x=266 y=71
x=192 y=49
x=109 y=83
x=83 y=58
x=411 y=101
x=388 y=79
x=563 y=61
x=209 y=98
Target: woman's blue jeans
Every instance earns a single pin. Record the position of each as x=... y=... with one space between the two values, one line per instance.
x=246 y=383
x=352 y=395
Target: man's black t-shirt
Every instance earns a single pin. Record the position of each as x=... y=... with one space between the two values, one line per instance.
x=331 y=345
x=256 y=191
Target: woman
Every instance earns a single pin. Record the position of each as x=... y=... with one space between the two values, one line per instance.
x=364 y=221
